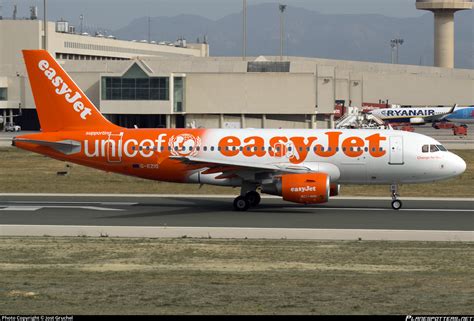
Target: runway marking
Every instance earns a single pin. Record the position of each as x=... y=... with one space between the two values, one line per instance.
x=379 y=209
x=53 y=202
x=35 y=208
x=210 y=196
x=20 y=208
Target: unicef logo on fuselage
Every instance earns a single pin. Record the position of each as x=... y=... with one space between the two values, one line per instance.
x=184 y=145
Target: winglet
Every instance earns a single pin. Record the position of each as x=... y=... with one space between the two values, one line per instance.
x=453 y=109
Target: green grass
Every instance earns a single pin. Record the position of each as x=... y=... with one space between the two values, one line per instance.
x=25 y=172
x=203 y=276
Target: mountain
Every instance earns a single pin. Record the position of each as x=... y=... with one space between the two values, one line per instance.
x=312 y=34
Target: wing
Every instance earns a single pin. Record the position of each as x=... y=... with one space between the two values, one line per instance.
x=441 y=116
x=251 y=171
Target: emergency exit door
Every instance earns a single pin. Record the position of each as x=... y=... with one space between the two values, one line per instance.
x=396 y=150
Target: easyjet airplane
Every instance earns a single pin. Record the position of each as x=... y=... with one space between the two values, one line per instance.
x=301 y=165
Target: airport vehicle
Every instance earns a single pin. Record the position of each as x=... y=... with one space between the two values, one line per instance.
x=301 y=165
x=12 y=128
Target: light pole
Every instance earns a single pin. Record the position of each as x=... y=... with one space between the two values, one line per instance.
x=282 y=8
x=395 y=45
x=81 y=18
x=244 y=30
x=45 y=27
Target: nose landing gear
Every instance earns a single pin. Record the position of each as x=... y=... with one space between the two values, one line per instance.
x=396 y=203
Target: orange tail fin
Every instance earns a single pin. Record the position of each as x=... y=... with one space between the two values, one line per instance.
x=60 y=103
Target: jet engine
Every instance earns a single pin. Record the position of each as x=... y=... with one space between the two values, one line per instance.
x=311 y=188
x=417 y=121
x=334 y=189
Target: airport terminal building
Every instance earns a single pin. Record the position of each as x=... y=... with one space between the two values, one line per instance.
x=153 y=85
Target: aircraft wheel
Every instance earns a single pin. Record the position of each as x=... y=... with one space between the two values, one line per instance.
x=254 y=198
x=397 y=204
x=241 y=204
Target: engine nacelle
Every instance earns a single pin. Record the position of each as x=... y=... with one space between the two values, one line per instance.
x=334 y=189
x=417 y=121
x=313 y=188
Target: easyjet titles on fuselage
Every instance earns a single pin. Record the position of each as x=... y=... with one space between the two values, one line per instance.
x=296 y=148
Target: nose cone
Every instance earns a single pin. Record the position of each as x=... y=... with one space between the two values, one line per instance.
x=458 y=164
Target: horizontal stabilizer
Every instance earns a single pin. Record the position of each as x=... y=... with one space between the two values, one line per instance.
x=67 y=147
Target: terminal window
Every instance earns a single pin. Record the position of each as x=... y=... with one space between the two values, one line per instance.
x=268 y=66
x=124 y=88
x=3 y=94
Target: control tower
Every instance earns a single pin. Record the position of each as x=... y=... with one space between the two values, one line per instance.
x=444 y=27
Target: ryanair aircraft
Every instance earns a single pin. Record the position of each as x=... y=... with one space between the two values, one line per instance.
x=420 y=116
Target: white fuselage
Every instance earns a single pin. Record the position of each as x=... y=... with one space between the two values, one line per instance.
x=386 y=156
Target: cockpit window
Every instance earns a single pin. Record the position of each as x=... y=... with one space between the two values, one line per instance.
x=442 y=148
x=425 y=148
x=433 y=148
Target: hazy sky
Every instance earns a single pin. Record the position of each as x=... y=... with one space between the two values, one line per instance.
x=114 y=14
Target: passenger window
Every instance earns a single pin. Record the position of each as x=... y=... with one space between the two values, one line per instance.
x=433 y=148
x=212 y=148
x=205 y=148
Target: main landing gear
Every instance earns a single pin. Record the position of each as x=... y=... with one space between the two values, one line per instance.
x=244 y=202
x=396 y=203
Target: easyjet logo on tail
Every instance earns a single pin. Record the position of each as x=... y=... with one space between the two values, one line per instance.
x=62 y=89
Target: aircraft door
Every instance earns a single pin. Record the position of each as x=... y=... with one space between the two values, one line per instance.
x=114 y=148
x=396 y=150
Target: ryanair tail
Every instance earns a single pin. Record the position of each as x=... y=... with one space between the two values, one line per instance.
x=60 y=103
